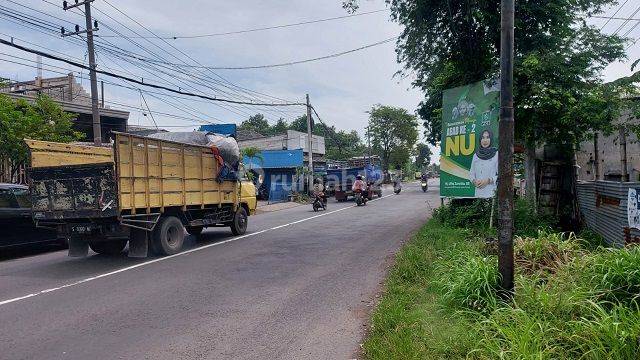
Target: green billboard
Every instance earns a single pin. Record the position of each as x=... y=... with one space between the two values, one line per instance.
x=469 y=143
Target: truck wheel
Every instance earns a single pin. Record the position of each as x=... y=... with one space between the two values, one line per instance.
x=194 y=230
x=239 y=223
x=168 y=236
x=109 y=247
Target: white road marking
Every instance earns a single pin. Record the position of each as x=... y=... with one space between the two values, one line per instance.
x=100 y=276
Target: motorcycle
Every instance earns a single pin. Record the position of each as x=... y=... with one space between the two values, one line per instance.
x=425 y=186
x=319 y=203
x=361 y=199
x=397 y=187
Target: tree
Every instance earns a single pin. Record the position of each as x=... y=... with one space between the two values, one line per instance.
x=339 y=144
x=251 y=153
x=423 y=156
x=558 y=91
x=557 y=69
x=393 y=132
x=43 y=119
x=280 y=127
x=256 y=123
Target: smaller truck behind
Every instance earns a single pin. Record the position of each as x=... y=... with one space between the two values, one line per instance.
x=340 y=181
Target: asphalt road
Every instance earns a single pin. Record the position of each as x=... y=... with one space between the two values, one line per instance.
x=298 y=285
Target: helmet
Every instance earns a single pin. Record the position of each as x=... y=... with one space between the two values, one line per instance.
x=359 y=177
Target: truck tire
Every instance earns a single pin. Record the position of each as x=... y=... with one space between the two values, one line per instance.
x=194 y=230
x=239 y=223
x=168 y=236
x=108 y=247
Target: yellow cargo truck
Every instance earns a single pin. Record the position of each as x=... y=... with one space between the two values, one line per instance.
x=139 y=190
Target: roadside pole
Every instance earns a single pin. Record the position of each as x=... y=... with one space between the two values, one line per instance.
x=309 y=146
x=369 y=144
x=90 y=28
x=505 y=151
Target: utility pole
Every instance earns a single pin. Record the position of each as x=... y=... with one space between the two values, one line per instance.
x=596 y=157
x=623 y=154
x=505 y=151
x=369 y=143
x=90 y=28
x=309 y=145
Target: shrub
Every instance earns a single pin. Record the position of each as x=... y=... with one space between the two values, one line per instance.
x=516 y=334
x=465 y=213
x=605 y=334
x=546 y=252
x=472 y=282
x=475 y=214
x=612 y=275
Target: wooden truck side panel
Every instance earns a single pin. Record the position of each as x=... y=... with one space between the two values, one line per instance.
x=51 y=154
x=154 y=174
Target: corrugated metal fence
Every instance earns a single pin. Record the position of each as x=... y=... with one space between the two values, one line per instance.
x=603 y=205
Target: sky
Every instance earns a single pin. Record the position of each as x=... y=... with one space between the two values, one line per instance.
x=342 y=89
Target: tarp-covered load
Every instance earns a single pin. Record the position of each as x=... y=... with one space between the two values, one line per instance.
x=227 y=146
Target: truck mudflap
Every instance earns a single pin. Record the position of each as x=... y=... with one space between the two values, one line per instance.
x=73 y=192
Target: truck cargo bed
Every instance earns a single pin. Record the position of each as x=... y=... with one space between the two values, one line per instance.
x=74 y=191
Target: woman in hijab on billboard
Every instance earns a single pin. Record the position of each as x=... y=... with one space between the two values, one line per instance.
x=484 y=166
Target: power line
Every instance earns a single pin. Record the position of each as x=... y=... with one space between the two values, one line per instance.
x=260 y=28
x=206 y=79
x=53 y=57
x=626 y=21
x=181 y=52
x=614 y=14
x=276 y=65
x=613 y=18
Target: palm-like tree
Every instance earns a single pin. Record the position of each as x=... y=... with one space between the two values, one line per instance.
x=251 y=153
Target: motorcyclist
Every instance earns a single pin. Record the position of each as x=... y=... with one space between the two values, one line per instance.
x=424 y=177
x=318 y=190
x=359 y=184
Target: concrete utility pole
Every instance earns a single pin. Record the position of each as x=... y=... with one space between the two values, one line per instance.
x=623 y=154
x=309 y=145
x=369 y=144
x=596 y=157
x=90 y=28
x=505 y=151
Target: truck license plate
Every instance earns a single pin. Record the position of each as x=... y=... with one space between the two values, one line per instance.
x=81 y=229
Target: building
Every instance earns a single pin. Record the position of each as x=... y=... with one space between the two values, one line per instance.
x=610 y=154
x=276 y=174
x=290 y=140
x=73 y=98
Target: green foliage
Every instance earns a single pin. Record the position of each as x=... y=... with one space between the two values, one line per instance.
x=256 y=123
x=572 y=301
x=612 y=276
x=339 y=144
x=475 y=213
x=558 y=91
x=43 y=119
x=472 y=283
x=252 y=153
x=423 y=156
x=546 y=253
x=408 y=322
x=393 y=132
x=470 y=213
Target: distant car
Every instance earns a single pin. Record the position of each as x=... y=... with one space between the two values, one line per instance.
x=16 y=221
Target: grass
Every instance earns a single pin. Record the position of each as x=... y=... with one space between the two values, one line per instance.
x=574 y=300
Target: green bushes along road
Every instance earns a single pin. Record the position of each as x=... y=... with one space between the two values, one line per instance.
x=574 y=298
